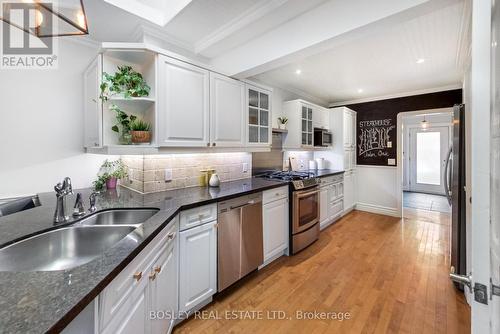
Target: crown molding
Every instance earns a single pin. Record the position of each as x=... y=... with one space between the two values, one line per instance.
x=393 y=96
x=142 y=32
x=251 y=15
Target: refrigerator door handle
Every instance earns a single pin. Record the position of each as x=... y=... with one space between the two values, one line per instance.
x=446 y=176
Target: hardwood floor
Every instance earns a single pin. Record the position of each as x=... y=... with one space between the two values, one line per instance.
x=391 y=275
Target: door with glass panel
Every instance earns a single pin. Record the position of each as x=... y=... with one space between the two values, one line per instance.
x=307 y=126
x=428 y=154
x=259 y=117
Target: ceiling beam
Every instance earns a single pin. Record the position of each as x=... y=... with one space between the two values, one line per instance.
x=251 y=15
x=327 y=26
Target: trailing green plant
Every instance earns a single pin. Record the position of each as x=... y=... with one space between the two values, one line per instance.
x=108 y=170
x=123 y=119
x=282 y=120
x=139 y=125
x=125 y=81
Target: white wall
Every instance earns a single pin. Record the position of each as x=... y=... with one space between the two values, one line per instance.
x=377 y=189
x=41 y=125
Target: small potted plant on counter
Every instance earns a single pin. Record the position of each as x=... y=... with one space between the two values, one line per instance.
x=109 y=174
x=282 y=123
x=140 y=132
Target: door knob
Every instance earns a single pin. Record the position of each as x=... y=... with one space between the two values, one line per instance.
x=462 y=279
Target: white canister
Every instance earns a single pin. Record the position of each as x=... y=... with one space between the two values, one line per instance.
x=320 y=163
x=214 y=180
x=313 y=165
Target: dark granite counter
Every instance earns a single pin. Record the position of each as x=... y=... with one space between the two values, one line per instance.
x=325 y=172
x=38 y=302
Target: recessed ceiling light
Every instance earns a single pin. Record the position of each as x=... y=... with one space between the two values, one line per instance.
x=360 y=90
x=298 y=71
x=420 y=60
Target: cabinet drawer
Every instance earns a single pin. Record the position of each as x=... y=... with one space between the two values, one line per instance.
x=336 y=208
x=274 y=194
x=125 y=285
x=197 y=216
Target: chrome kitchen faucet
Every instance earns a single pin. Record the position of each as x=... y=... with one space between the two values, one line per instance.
x=62 y=190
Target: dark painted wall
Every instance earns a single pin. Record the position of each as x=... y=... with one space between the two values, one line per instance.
x=376 y=122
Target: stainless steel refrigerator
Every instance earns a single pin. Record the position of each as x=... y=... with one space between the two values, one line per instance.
x=454 y=183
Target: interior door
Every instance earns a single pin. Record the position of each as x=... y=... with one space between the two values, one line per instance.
x=428 y=153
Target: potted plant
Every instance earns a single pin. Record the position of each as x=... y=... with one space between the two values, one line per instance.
x=122 y=126
x=126 y=82
x=282 y=123
x=140 y=131
x=109 y=174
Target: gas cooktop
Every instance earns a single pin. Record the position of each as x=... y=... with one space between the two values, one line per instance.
x=300 y=180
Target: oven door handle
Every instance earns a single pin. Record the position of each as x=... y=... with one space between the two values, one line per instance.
x=309 y=193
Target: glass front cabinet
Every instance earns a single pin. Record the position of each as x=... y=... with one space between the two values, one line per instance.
x=307 y=126
x=259 y=116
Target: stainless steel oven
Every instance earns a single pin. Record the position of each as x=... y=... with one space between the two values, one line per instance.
x=322 y=137
x=305 y=217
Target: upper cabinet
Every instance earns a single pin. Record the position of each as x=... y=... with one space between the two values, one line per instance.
x=186 y=106
x=227 y=116
x=183 y=110
x=303 y=117
x=92 y=104
x=258 y=116
x=343 y=122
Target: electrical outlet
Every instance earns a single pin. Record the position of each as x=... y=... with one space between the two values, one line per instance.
x=391 y=162
x=389 y=144
x=168 y=174
x=245 y=167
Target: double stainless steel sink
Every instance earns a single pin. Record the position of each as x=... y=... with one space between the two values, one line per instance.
x=75 y=245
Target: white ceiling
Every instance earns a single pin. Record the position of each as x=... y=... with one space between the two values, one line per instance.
x=382 y=63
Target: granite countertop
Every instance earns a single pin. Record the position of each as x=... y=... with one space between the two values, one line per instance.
x=38 y=302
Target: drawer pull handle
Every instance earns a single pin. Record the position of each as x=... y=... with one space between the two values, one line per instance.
x=158 y=269
x=277 y=194
x=152 y=276
x=171 y=235
x=137 y=276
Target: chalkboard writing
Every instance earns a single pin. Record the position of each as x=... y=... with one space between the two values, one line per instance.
x=376 y=141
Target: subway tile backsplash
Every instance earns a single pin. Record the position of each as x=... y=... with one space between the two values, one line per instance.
x=147 y=173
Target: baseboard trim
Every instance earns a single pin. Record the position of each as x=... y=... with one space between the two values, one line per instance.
x=383 y=210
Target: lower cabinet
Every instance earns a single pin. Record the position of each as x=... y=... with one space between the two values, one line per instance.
x=148 y=285
x=198 y=265
x=275 y=229
x=349 y=191
x=324 y=205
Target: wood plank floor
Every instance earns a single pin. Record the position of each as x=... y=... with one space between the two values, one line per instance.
x=391 y=275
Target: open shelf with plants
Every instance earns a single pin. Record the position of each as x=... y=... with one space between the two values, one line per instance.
x=128 y=95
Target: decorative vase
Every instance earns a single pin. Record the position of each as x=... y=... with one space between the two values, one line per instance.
x=214 y=180
x=125 y=138
x=141 y=137
x=281 y=126
x=111 y=183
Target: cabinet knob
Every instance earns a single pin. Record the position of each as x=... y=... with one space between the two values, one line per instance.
x=157 y=269
x=208 y=144
x=213 y=144
x=171 y=235
x=152 y=276
x=137 y=276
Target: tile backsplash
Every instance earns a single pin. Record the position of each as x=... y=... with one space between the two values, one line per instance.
x=147 y=173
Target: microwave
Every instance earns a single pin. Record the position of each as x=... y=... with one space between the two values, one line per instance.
x=322 y=137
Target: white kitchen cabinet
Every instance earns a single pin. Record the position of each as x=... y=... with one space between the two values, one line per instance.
x=92 y=106
x=198 y=266
x=343 y=125
x=275 y=224
x=148 y=283
x=183 y=104
x=227 y=111
x=258 y=116
x=164 y=287
x=324 y=205
x=300 y=124
x=349 y=189
x=321 y=117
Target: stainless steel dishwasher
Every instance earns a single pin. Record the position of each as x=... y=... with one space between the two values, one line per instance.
x=239 y=238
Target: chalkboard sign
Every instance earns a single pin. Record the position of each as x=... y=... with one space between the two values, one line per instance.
x=376 y=132
x=376 y=141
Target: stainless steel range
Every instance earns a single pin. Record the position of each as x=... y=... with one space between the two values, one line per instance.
x=304 y=207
